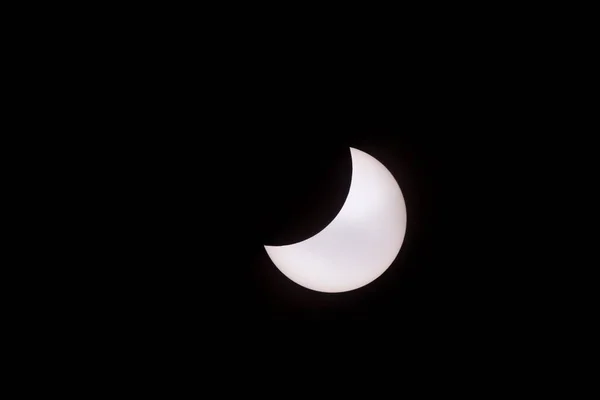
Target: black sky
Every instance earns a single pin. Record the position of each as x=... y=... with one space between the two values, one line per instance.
x=209 y=140
x=218 y=169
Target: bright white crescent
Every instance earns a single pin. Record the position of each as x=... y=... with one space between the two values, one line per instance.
x=360 y=243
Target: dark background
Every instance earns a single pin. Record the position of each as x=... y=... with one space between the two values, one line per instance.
x=211 y=164
x=203 y=152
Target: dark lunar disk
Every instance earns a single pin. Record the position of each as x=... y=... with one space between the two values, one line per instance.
x=302 y=186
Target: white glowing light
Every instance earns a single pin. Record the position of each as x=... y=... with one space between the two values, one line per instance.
x=360 y=243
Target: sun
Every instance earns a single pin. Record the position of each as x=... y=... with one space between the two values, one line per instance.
x=361 y=242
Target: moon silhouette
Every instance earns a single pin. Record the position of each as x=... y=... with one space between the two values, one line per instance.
x=361 y=242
